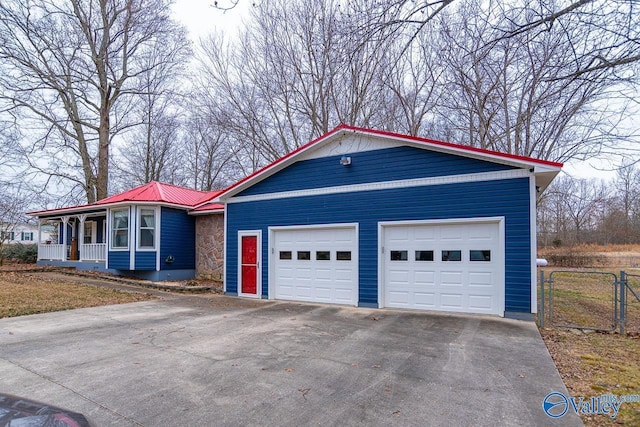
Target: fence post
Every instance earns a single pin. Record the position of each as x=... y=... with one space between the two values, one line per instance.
x=623 y=302
x=541 y=314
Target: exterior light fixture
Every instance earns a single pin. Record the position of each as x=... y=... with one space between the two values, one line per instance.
x=345 y=160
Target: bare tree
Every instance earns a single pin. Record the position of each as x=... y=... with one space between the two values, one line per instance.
x=67 y=68
x=580 y=204
x=212 y=161
x=293 y=76
x=414 y=87
x=609 y=37
x=515 y=96
x=10 y=166
x=627 y=193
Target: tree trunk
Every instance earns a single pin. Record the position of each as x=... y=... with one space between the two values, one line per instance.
x=102 y=181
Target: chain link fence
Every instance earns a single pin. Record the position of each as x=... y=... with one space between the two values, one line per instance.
x=590 y=300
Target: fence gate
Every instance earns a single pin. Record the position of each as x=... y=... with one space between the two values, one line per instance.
x=581 y=299
x=630 y=303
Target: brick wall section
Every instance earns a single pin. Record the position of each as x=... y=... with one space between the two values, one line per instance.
x=210 y=246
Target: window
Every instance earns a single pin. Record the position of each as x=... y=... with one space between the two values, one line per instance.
x=399 y=255
x=479 y=255
x=304 y=255
x=451 y=255
x=424 y=255
x=323 y=255
x=7 y=235
x=120 y=229
x=147 y=229
x=343 y=255
x=88 y=232
x=285 y=255
x=26 y=236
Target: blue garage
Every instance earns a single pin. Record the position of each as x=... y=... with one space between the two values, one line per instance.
x=375 y=219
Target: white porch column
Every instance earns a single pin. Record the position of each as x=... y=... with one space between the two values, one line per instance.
x=65 y=221
x=80 y=242
x=39 y=237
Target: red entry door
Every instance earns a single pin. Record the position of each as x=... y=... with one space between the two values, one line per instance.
x=249 y=265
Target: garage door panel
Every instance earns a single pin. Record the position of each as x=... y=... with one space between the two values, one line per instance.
x=451 y=301
x=398 y=238
x=481 y=279
x=343 y=296
x=399 y=276
x=481 y=302
x=469 y=277
x=425 y=299
x=424 y=277
x=451 y=233
x=321 y=276
x=399 y=298
x=451 y=278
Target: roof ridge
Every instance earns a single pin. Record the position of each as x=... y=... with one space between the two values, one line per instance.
x=181 y=187
x=159 y=189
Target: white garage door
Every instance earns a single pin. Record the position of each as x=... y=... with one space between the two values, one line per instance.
x=316 y=264
x=447 y=267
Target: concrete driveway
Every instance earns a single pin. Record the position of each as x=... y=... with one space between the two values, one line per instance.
x=216 y=360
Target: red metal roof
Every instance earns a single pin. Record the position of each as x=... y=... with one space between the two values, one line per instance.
x=152 y=192
x=159 y=192
x=207 y=208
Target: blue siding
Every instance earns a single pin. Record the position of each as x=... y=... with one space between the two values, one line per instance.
x=145 y=260
x=69 y=232
x=508 y=198
x=118 y=260
x=177 y=239
x=370 y=166
x=99 y=224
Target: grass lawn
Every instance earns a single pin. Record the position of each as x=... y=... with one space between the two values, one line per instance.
x=21 y=294
x=594 y=363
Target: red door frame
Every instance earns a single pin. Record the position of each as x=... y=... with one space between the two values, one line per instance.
x=249 y=263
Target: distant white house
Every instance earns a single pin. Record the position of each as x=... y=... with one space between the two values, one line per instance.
x=26 y=234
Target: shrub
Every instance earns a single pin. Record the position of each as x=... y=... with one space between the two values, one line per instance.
x=576 y=260
x=20 y=253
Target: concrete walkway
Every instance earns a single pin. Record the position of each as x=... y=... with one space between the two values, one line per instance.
x=216 y=360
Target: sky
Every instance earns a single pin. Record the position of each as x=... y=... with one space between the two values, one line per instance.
x=201 y=18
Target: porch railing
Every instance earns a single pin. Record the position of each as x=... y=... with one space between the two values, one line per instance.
x=93 y=252
x=51 y=252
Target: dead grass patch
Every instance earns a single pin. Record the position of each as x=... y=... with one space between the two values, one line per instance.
x=591 y=248
x=22 y=294
x=593 y=364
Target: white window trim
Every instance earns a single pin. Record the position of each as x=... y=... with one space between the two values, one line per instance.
x=112 y=230
x=139 y=229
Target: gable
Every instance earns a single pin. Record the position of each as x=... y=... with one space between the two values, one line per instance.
x=375 y=165
x=353 y=141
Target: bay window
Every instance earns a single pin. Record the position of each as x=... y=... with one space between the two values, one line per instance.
x=147 y=229
x=120 y=229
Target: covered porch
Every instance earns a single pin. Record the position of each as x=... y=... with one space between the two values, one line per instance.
x=78 y=238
